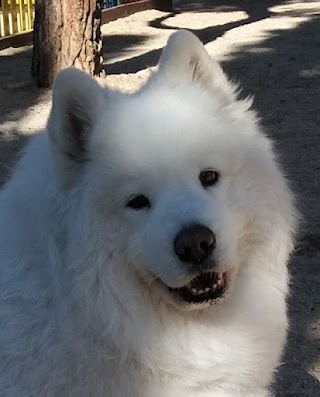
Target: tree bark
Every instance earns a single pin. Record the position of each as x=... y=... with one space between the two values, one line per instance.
x=66 y=33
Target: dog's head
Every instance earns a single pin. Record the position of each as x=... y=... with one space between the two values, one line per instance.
x=174 y=183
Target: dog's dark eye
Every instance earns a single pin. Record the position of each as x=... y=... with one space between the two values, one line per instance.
x=208 y=178
x=138 y=202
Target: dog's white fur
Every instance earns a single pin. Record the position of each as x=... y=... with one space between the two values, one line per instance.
x=81 y=312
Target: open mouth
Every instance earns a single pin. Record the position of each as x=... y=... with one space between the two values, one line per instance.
x=204 y=288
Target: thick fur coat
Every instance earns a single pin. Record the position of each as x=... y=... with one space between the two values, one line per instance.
x=90 y=297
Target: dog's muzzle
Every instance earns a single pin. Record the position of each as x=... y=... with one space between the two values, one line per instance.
x=194 y=246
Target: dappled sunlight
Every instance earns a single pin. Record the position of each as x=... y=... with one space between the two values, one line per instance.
x=310 y=73
x=313 y=372
x=313 y=335
x=24 y=110
x=204 y=20
x=295 y=8
x=252 y=36
x=15 y=51
x=224 y=30
x=35 y=117
x=259 y=50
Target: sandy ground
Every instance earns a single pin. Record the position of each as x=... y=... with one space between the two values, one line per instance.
x=272 y=48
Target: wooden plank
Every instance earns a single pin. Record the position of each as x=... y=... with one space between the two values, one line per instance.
x=16 y=40
x=124 y=10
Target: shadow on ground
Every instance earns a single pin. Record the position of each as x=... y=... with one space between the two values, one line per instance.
x=7 y=147
x=256 y=11
x=118 y=44
x=18 y=95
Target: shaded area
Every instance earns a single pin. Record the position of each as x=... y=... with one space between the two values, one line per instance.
x=21 y=59
x=256 y=11
x=9 y=154
x=18 y=96
x=135 y=64
x=118 y=44
x=285 y=79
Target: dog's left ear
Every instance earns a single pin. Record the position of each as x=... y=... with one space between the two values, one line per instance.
x=77 y=104
x=185 y=59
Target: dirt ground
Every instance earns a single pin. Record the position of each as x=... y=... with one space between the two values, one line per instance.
x=272 y=48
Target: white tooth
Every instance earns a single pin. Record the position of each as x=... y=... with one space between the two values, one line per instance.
x=214 y=286
x=219 y=282
x=200 y=291
x=193 y=290
x=207 y=289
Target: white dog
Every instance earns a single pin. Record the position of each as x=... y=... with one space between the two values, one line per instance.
x=144 y=242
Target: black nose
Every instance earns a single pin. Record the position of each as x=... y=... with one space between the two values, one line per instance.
x=194 y=244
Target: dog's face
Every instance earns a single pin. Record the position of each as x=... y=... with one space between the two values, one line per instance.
x=177 y=177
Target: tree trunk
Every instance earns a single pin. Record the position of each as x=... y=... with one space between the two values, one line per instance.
x=66 y=33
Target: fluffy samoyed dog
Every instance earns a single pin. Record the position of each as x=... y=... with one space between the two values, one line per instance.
x=144 y=242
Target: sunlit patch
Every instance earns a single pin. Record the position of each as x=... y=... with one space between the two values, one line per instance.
x=296 y=8
x=204 y=19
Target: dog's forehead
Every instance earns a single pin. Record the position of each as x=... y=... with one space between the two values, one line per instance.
x=166 y=131
x=165 y=115
x=161 y=120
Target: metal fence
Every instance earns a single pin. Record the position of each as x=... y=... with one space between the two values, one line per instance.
x=16 y=16
x=112 y=3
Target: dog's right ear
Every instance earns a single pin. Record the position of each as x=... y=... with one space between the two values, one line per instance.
x=185 y=59
x=77 y=101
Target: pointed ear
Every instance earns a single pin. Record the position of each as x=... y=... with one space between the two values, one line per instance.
x=77 y=100
x=77 y=103
x=185 y=59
